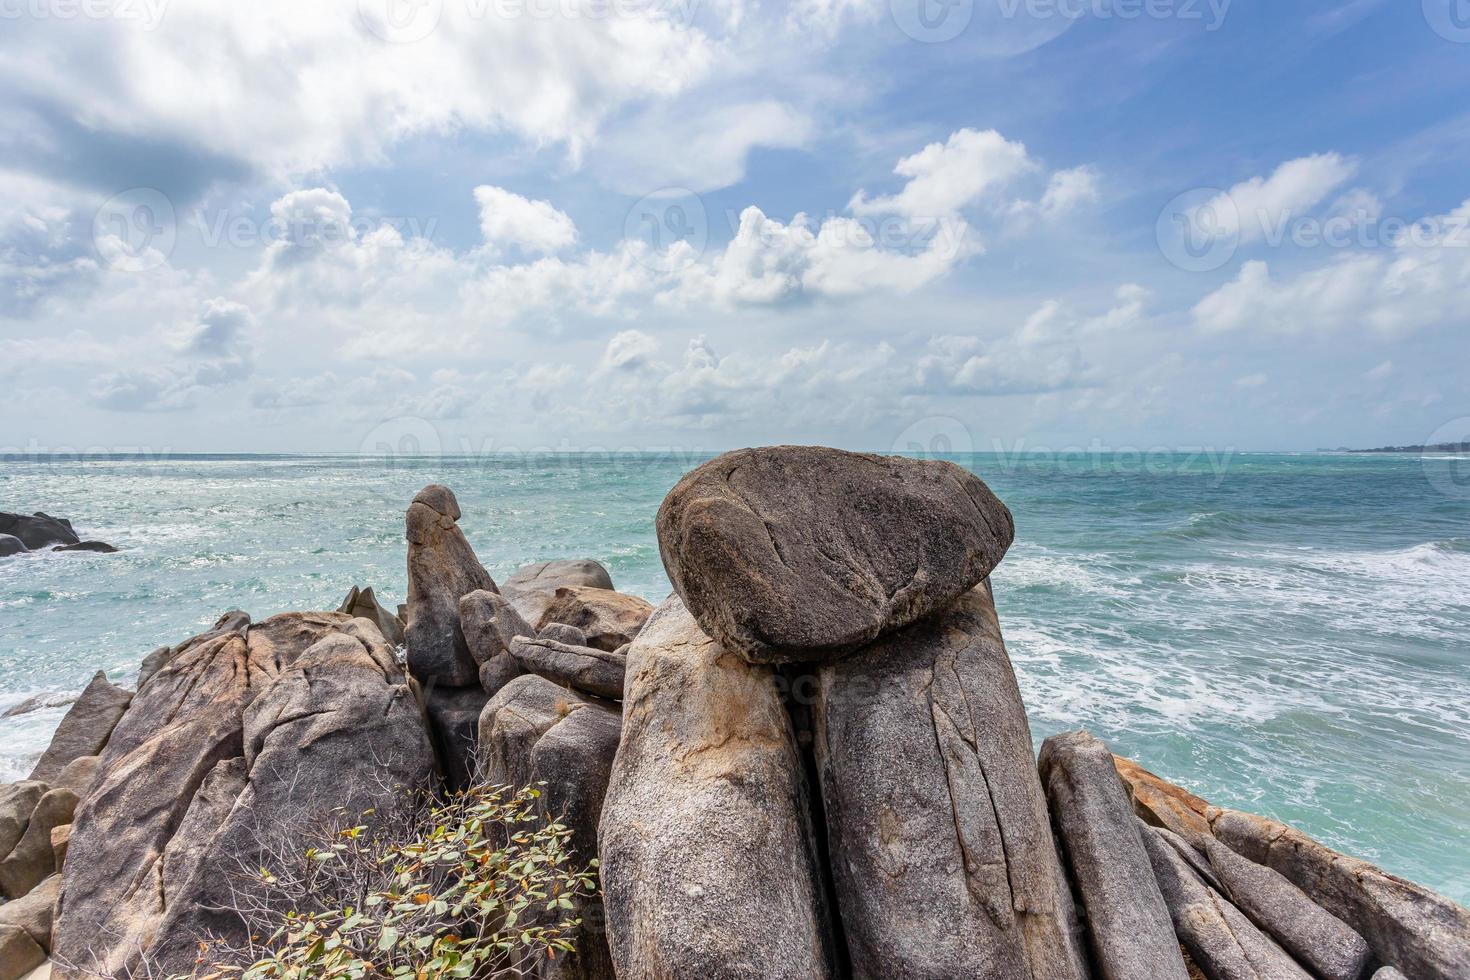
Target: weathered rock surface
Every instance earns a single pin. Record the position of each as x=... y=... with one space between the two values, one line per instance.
x=97 y=547
x=801 y=552
x=490 y=622
x=607 y=619
x=17 y=803
x=534 y=731
x=80 y=774
x=1162 y=804
x=11 y=545
x=362 y=604
x=531 y=588
x=454 y=719
x=60 y=839
x=937 y=826
x=1131 y=933
x=85 y=729
x=31 y=861
x=37 y=530
x=561 y=633
x=1315 y=937
x=442 y=569
x=338 y=729
x=1219 y=938
x=1424 y=935
x=19 y=953
x=708 y=866
x=588 y=669
x=1389 y=973
x=33 y=912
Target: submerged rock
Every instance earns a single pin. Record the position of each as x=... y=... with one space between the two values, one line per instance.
x=86 y=727
x=1129 y=925
x=534 y=731
x=11 y=545
x=442 y=569
x=937 y=827
x=793 y=553
x=587 y=669
x=709 y=868
x=98 y=547
x=38 y=530
x=532 y=587
x=605 y=618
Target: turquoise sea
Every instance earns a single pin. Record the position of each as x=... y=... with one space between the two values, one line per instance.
x=1285 y=634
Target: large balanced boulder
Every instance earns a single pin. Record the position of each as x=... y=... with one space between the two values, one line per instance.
x=85 y=729
x=709 y=865
x=797 y=553
x=606 y=619
x=940 y=845
x=38 y=530
x=442 y=569
x=536 y=732
x=1128 y=923
x=532 y=587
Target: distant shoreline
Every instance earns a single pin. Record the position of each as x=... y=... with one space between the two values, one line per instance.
x=1442 y=447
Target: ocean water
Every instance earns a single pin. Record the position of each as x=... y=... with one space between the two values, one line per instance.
x=1284 y=634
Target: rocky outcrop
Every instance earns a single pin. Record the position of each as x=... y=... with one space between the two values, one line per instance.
x=534 y=731
x=606 y=619
x=801 y=552
x=362 y=604
x=532 y=587
x=1409 y=927
x=85 y=729
x=38 y=530
x=937 y=826
x=586 y=669
x=709 y=868
x=1128 y=924
x=32 y=860
x=442 y=569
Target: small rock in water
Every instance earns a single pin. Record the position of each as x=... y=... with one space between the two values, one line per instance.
x=100 y=547
x=11 y=545
x=38 y=530
x=799 y=553
x=38 y=703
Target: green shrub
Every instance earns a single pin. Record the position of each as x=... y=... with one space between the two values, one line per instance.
x=479 y=886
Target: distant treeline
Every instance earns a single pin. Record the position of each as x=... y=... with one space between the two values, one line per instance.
x=1442 y=447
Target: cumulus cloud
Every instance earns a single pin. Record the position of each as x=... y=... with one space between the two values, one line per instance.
x=1260 y=207
x=944 y=178
x=213 y=353
x=509 y=220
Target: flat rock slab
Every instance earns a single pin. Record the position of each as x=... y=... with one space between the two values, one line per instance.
x=799 y=553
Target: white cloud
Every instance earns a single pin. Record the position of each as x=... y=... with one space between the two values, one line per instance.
x=214 y=352
x=1256 y=380
x=510 y=220
x=1262 y=206
x=1068 y=190
x=944 y=178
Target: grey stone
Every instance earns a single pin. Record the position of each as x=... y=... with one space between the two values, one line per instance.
x=454 y=719
x=499 y=671
x=283 y=638
x=587 y=669
x=1218 y=936
x=1389 y=973
x=442 y=569
x=33 y=911
x=1317 y=939
x=17 y=803
x=19 y=953
x=562 y=633
x=708 y=866
x=96 y=547
x=31 y=861
x=490 y=622
x=80 y=774
x=800 y=553
x=607 y=619
x=86 y=727
x=1131 y=933
x=11 y=545
x=534 y=731
x=937 y=827
x=532 y=587
x=1408 y=926
x=362 y=604
x=38 y=530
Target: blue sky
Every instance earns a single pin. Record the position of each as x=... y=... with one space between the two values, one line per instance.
x=1008 y=224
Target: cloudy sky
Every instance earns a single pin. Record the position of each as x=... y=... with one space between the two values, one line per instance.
x=498 y=224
